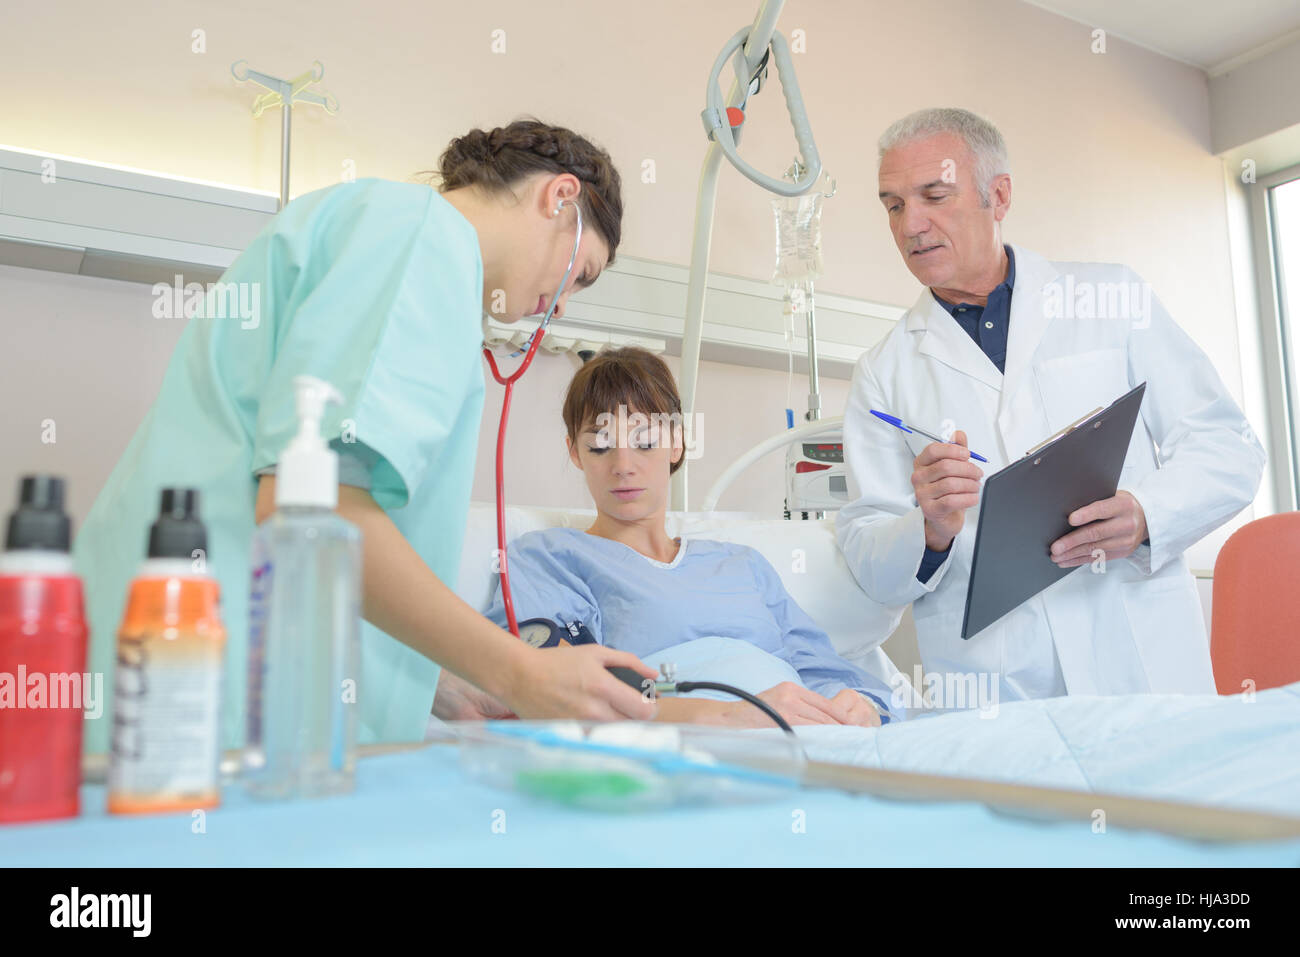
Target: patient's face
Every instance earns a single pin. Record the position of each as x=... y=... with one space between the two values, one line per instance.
x=626 y=460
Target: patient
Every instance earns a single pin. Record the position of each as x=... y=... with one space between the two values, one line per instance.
x=633 y=588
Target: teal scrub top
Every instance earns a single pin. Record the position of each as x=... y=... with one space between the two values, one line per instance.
x=377 y=288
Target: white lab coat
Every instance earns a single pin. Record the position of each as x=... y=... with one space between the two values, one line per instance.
x=1193 y=463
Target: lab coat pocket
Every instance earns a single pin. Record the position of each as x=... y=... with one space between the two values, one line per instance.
x=1074 y=385
x=944 y=652
x=1168 y=628
x=1140 y=460
x=938 y=632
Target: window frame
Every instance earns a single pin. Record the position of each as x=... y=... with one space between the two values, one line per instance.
x=1279 y=325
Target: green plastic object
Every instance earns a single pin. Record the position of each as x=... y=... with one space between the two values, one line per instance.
x=575 y=786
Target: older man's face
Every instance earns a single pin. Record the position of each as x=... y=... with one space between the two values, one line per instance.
x=946 y=235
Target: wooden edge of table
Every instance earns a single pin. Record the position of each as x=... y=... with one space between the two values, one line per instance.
x=1200 y=822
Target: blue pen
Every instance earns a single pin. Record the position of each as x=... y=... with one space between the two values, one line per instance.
x=897 y=423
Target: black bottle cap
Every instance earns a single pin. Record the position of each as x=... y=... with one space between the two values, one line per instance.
x=178 y=531
x=39 y=521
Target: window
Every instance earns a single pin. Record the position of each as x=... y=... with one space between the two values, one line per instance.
x=1284 y=215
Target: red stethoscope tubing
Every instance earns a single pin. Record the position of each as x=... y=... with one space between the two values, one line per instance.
x=509 y=383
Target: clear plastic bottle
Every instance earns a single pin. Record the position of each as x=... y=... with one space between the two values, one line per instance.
x=304 y=627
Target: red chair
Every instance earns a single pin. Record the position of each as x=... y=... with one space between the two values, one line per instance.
x=1255 y=611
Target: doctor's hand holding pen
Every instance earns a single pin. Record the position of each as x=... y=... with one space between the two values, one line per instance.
x=947 y=483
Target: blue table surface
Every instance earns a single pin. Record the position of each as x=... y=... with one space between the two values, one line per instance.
x=418 y=808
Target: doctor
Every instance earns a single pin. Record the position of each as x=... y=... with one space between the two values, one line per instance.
x=1003 y=349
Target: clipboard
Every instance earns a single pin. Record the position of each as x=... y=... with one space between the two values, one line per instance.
x=1026 y=507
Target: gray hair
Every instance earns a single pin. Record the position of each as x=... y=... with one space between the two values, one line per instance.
x=980 y=136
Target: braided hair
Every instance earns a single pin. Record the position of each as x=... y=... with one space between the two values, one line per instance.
x=498 y=159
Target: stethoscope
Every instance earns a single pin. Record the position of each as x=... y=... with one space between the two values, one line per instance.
x=531 y=346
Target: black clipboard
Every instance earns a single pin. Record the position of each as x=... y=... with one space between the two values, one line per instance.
x=1026 y=507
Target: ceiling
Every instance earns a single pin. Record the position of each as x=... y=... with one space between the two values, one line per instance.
x=1214 y=35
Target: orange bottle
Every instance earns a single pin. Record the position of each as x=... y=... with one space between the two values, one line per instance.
x=167 y=698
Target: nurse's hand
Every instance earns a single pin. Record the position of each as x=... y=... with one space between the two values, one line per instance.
x=571 y=682
x=1114 y=526
x=458 y=700
x=947 y=483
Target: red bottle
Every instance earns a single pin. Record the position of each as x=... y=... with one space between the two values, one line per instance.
x=43 y=685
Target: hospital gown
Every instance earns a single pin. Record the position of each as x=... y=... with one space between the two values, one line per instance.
x=643 y=606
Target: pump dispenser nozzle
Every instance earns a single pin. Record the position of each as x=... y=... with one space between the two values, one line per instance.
x=308 y=470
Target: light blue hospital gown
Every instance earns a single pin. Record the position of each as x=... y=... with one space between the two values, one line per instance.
x=376 y=287
x=637 y=604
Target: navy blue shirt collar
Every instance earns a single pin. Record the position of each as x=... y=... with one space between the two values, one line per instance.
x=988 y=325
x=1007 y=285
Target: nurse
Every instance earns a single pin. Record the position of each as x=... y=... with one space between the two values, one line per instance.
x=379 y=288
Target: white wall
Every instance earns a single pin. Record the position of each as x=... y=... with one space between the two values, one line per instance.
x=87 y=355
x=1256 y=99
x=1110 y=158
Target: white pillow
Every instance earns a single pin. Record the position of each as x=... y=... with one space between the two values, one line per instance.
x=729 y=660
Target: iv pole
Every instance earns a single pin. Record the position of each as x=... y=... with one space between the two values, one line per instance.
x=724 y=122
x=284 y=94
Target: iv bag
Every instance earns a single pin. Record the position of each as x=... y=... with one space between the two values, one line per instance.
x=798 y=237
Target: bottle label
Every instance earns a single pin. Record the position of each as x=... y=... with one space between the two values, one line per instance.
x=165 y=722
x=259 y=599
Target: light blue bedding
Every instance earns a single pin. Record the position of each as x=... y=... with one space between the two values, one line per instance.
x=1239 y=750
x=1204 y=749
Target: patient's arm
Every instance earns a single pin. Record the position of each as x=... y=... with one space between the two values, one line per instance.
x=458 y=700
x=795 y=703
x=686 y=711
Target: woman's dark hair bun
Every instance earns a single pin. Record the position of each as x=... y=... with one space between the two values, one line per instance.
x=497 y=159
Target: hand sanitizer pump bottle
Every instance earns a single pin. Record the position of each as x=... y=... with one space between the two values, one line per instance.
x=304 y=622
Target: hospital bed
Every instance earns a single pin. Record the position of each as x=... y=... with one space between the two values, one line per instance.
x=1224 y=751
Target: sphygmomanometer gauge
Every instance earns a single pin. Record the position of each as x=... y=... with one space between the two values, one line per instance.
x=540 y=633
